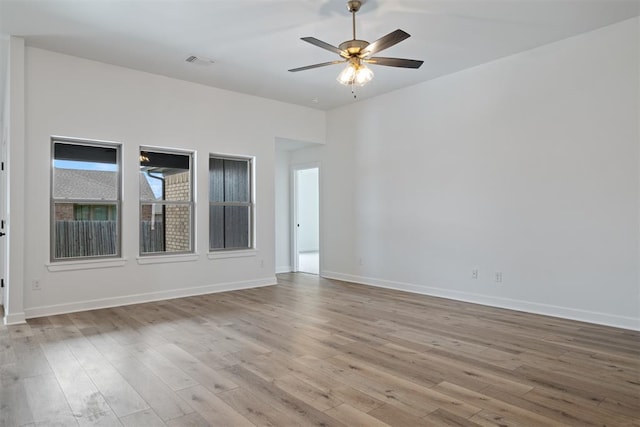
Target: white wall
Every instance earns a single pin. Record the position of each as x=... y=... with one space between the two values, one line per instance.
x=307 y=210
x=14 y=129
x=283 y=212
x=79 y=98
x=4 y=72
x=527 y=165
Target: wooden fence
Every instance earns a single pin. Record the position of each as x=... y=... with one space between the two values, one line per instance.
x=85 y=238
x=98 y=238
x=152 y=237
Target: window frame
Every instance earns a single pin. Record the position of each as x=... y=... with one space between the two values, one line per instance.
x=54 y=200
x=251 y=161
x=191 y=203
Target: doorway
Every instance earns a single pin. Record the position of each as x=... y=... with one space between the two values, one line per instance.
x=306 y=226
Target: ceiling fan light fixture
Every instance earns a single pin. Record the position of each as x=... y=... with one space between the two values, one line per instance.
x=363 y=76
x=356 y=73
x=347 y=76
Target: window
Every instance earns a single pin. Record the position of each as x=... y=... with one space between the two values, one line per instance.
x=166 y=202
x=85 y=200
x=94 y=212
x=230 y=203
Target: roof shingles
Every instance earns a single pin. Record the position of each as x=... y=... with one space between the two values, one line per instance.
x=91 y=185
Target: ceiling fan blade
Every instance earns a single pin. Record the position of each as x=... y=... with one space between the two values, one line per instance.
x=314 y=41
x=394 y=62
x=324 y=64
x=384 y=42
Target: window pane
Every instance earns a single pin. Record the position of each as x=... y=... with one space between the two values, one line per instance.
x=83 y=237
x=165 y=228
x=229 y=227
x=216 y=180
x=236 y=181
x=81 y=212
x=236 y=226
x=216 y=227
x=85 y=195
x=99 y=212
x=229 y=180
x=63 y=151
x=229 y=184
x=85 y=172
x=165 y=176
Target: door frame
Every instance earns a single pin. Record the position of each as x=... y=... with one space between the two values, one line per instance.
x=3 y=213
x=294 y=213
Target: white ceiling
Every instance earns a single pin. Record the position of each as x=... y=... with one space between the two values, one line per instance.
x=255 y=42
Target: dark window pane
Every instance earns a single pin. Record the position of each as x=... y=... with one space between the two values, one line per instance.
x=229 y=183
x=236 y=226
x=229 y=180
x=84 y=153
x=151 y=159
x=216 y=180
x=229 y=227
x=236 y=181
x=216 y=227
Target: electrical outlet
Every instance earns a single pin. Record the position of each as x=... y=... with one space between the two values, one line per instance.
x=261 y=263
x=474 y=273
x=35 y=285
x=499 y=276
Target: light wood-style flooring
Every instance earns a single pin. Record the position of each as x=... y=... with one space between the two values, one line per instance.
x=316 y=352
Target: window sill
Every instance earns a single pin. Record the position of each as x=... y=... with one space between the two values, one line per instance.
x=163 y=259
x=86 y=264
x=232 y=254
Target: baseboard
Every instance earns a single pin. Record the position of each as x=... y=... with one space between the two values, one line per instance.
x=14 y=319
x=284 y=269
x=512 y=304
x=51 y=310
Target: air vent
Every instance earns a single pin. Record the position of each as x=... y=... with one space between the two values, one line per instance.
x=199 y=60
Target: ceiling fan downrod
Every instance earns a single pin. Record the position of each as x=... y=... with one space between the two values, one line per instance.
x=353 y=6
x=354 y=46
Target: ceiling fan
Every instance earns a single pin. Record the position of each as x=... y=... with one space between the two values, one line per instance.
x=358 y=53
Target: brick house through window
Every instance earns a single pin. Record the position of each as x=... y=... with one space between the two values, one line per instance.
x=166 y=215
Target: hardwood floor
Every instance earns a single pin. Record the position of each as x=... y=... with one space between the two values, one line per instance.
x=316 y=352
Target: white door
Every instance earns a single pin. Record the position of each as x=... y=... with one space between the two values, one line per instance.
x=306 y=220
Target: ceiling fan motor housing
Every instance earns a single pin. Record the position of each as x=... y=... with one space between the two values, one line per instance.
x=353 y=47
